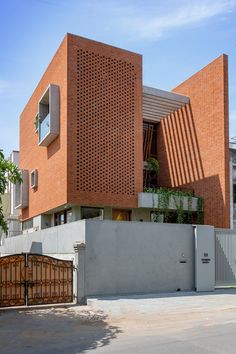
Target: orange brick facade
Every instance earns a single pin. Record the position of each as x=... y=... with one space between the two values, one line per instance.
x=49 y=161
x=97 y=159
x=104 y=124
x=193 y=143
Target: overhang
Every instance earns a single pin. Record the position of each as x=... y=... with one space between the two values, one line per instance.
x=158 y=104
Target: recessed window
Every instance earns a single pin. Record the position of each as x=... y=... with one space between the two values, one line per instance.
x=22 y=191
x=49 y=115
x=34 y=179
x=234 y=194
x=121 y=215
x=28 y=224
x=63 y=217
x=91 y=213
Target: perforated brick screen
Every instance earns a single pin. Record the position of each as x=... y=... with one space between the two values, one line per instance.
x=105 y=124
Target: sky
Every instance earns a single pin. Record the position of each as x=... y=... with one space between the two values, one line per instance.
x=175 y=37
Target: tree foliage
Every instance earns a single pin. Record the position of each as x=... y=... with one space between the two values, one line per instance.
x=9 y=172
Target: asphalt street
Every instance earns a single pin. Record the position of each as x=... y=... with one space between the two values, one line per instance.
x=168 y=323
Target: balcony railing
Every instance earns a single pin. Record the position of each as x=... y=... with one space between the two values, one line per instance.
x=44 y=128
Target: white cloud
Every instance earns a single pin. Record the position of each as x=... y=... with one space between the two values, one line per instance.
x=154 y=24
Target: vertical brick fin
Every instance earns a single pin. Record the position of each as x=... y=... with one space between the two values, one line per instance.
x=197 y=154
x=105 y=123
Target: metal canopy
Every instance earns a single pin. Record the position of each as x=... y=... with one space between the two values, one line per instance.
x=158 y=104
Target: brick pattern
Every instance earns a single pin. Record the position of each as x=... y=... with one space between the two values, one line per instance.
x=105 y=124
x=193 y=142
x=97 y=158
x=104 y=114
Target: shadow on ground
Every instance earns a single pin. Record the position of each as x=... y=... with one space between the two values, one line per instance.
x=55 y=330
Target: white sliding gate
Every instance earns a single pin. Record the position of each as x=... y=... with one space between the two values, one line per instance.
x=225 y=253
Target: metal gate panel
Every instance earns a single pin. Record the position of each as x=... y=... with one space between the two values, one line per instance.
x=12 y=280
x=49 y=280
x=225 y=248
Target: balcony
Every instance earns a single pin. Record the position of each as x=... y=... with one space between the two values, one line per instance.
x=44 y=128
x=48 y=119
x=172 y=206
x=157 y=201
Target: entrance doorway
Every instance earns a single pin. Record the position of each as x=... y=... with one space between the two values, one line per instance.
x=121 y=215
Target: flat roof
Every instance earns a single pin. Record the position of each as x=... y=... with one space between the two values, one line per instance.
x=158 y=104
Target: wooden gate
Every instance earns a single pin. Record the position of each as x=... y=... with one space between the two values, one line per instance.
x=32 y=279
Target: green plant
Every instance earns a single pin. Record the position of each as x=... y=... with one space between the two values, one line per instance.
x=179 y=208
x=153 y=165
x=9 y=172
x=190 y=206
x=164 y=196
x=200 y=210
x=152 y=168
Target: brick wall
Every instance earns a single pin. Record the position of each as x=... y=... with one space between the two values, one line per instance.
x=104 y=124
x=193 y=143
x=50 y=161
x=97 y=158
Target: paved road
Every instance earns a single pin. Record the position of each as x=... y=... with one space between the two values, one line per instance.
x=177 y=323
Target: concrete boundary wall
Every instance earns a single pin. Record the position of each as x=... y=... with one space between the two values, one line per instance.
x=56 y=241
x=138 y=257
x=114 y=258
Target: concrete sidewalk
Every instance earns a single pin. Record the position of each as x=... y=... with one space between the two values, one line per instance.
x=165 y=303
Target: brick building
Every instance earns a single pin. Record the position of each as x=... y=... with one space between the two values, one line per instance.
x=90 y=125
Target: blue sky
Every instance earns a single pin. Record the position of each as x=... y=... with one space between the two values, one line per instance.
x=175 y=37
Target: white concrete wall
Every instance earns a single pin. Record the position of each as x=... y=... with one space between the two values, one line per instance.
x=138 y=257
x=118 y=257
x=52 y=241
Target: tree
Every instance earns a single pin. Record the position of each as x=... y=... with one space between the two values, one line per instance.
x=9 y=172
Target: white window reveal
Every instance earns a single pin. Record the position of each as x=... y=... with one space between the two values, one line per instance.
x=49 y=115
x=22 y=191
x=34 y=179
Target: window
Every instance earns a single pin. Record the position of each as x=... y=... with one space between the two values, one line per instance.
x=121 y=215
x=149 y=151
x=234 y=194
x=234 y=174
x=21 y=191
x=91 y=213
x=149 y=140
x=28 y=224
x=48 y=116
x=63 y=217
x=34 y=179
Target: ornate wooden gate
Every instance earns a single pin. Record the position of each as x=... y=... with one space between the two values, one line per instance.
x=32 y=279
x=12 y=280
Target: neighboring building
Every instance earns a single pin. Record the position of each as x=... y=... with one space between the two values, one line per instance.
x=232 y=147
x=90 y=124
x=11 y=214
